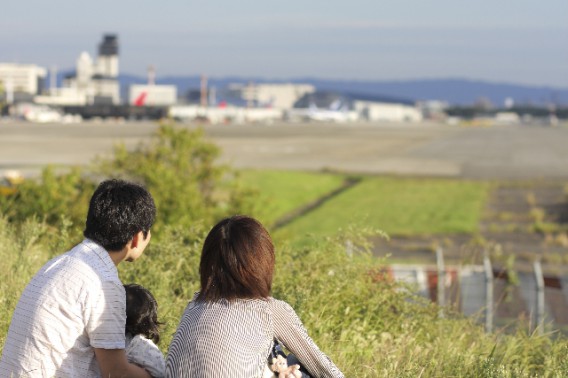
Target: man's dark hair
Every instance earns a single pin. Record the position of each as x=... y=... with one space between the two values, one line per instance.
x=119 y=210
x=141 y=313
x=237 y=261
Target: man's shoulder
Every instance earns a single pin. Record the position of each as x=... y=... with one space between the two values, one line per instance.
x=92 y=257
x=83 y=265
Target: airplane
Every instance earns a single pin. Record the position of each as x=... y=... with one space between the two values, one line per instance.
x=335 y=113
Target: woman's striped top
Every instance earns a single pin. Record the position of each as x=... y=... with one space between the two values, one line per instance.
x=234 y=339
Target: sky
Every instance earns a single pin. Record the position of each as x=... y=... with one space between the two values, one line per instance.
x=502 y=41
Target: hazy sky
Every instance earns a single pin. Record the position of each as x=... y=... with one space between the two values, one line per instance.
x=513 y=41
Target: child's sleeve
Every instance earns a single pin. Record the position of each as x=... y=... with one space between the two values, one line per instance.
x=146 y=354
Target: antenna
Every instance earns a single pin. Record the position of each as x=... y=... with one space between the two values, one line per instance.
x=151 y=75
x=9 y=86
x=53 y=79
x=213 y=96
x=250 y=94
x=203 y=90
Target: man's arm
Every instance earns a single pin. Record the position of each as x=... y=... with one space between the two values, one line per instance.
x=113 y=364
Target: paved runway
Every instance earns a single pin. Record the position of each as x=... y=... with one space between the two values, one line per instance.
x=497 y=152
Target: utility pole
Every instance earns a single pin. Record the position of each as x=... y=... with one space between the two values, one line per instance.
x=204 y=91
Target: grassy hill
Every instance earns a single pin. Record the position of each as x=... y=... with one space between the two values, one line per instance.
x=369 y=325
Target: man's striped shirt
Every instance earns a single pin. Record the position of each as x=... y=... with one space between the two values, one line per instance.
x=75 y=303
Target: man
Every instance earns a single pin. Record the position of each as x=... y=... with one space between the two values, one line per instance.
x=70 y=319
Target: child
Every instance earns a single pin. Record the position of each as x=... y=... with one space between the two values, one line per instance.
x=142 y=331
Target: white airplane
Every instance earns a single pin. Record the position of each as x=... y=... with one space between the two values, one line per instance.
x=336 y=112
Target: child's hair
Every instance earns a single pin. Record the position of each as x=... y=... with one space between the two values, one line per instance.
x=141 y=313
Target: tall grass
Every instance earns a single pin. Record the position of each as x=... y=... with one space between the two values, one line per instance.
x=24 y=248
x=368 y=325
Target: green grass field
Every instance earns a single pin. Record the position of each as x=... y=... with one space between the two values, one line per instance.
x=282 y=192
x=397 y=206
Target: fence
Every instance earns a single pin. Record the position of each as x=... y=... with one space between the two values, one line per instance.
x=483 y=290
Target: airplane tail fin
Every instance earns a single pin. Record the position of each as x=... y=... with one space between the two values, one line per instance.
x=140 y=100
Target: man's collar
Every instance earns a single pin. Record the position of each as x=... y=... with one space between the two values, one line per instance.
x=101 y=253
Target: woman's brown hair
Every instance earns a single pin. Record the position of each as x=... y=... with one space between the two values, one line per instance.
x=237 y=260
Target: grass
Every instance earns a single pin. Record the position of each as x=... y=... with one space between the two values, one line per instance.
x=399 y=206
x=368 y=327
x=282 y=192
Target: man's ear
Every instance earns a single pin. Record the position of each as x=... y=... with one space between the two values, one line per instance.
x=135 y=239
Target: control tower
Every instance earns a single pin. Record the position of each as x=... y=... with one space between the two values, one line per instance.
x=107 y=60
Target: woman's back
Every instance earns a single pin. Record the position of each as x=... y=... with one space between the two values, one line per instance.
x=221 y=339
x=229 y=326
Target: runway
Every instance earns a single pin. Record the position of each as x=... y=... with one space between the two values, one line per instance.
x=421 y=149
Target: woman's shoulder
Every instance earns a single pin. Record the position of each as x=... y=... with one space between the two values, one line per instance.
x=279 y=305
x=229 y=306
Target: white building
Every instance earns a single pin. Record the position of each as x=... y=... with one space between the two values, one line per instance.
x=93 y=82
x=278 y=96
x=507 y=118
x=434 y=109
x=22 y=78
x=385 y=111
x=152 y=95
x=229 y=114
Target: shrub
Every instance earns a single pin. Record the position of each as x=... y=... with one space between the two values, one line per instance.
x=179 y=167
x=50 y=197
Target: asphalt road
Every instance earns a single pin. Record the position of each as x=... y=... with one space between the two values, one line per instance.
x=497 y=152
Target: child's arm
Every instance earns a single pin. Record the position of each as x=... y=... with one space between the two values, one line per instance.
x=113 y=363
x=145 y=353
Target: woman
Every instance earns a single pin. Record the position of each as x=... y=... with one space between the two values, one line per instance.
x=227 y=330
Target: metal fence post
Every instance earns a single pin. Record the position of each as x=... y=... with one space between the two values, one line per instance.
x=441 y=294
x=539 y=316
x=488 y=294
x=349 y=248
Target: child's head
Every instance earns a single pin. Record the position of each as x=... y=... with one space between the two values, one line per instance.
x=141 y=313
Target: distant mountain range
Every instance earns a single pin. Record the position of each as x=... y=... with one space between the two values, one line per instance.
x=453 y=91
